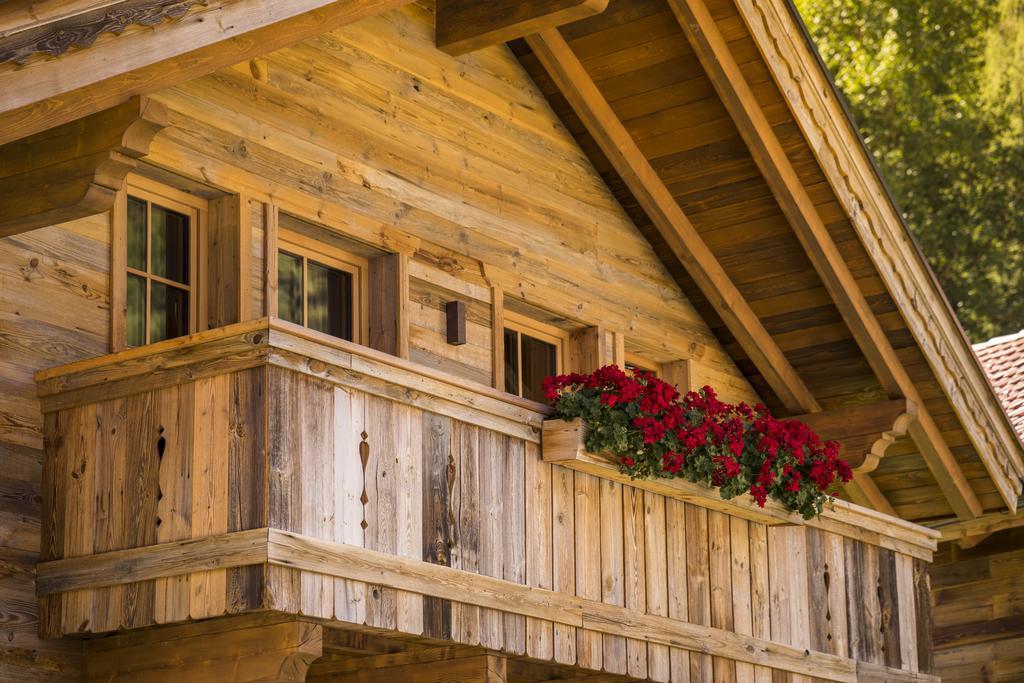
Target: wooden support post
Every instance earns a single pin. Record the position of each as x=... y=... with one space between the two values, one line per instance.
x=498 y=337
x=75 y=170
x=591 y=348
x=467 y=25
x=437 y=665
x=270 y=229
x=228 y=257
x=679 y=374
x=389 y=304
x=232 y=650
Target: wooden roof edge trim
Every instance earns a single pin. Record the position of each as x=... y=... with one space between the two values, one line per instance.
x=696 y=21
x=858 y=185
x=572 y=79
x=46 y=93
x=955 y=530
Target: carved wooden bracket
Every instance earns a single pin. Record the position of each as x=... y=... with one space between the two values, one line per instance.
x=864 y=432
x=74 y=170
x=467 y=25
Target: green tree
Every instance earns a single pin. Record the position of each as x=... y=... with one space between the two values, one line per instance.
x=936 y=88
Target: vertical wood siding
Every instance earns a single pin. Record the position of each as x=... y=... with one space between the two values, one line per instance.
x=350 y=467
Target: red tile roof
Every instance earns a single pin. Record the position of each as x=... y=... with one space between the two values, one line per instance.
x=1003 y=360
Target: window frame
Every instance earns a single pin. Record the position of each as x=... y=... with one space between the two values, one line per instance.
x=642 y=363
x=550 y=334
x=197 y=210
x=309 y=248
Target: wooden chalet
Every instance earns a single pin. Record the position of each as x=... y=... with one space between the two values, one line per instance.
x=278 y=281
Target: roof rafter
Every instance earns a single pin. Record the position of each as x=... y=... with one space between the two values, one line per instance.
x=467 y=25
x=766 y=149
x=48 y=92
x=557 y=57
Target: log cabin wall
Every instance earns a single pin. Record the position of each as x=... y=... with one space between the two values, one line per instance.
x=412 y=147
x=976 y=606
x=54 y=308
x=371 y=132
x=341 y=449
x=458 y=163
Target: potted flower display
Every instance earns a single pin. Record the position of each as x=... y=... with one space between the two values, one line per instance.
x=652 y=431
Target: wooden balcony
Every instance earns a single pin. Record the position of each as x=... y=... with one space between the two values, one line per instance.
x=267 y=468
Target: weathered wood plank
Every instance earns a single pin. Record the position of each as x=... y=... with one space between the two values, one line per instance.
x=174 y=509
x=466 y=553
x=563 y=564
x=657 y=563
x=438 y=482
x=539 y=546
x=514 y=532
x=720 y=553
x=465 y=26
x=635 y=572
x=588 y=562
x=612 y=569
x=349 y=422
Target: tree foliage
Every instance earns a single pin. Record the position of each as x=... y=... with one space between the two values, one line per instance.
x=937 y=88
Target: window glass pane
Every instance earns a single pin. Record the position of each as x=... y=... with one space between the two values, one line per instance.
x=329 y=304
x=511 y=362
x=168 y=313
x=289 y=287
x=136 y=233
x=170 y=244
x=539 y=361
x=136 y=322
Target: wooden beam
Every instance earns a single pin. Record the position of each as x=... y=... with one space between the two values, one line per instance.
x=901 y=266
x=360 y=564
x=686 y=243
x=766 y=149
x=434 y=665
x=77 y=169
x=214 y=650
x=864 y=432
x=863 y=490
x=220 y=551
x=983 y=526
x=49 y=92
x=467 y=25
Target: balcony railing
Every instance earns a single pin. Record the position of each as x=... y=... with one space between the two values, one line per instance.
x=264 y=466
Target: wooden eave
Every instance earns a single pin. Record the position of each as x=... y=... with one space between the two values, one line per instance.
x=820 y=255
x=807 y=273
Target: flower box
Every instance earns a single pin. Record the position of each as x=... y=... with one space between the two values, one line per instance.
x=563 y=443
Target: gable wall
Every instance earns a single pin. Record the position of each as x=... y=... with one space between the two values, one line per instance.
x=459 y=162
x=371 y=131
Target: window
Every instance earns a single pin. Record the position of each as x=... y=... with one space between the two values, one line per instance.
x=159 y=239
x=635 y=363
x=321 y=287
x=533 y=351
